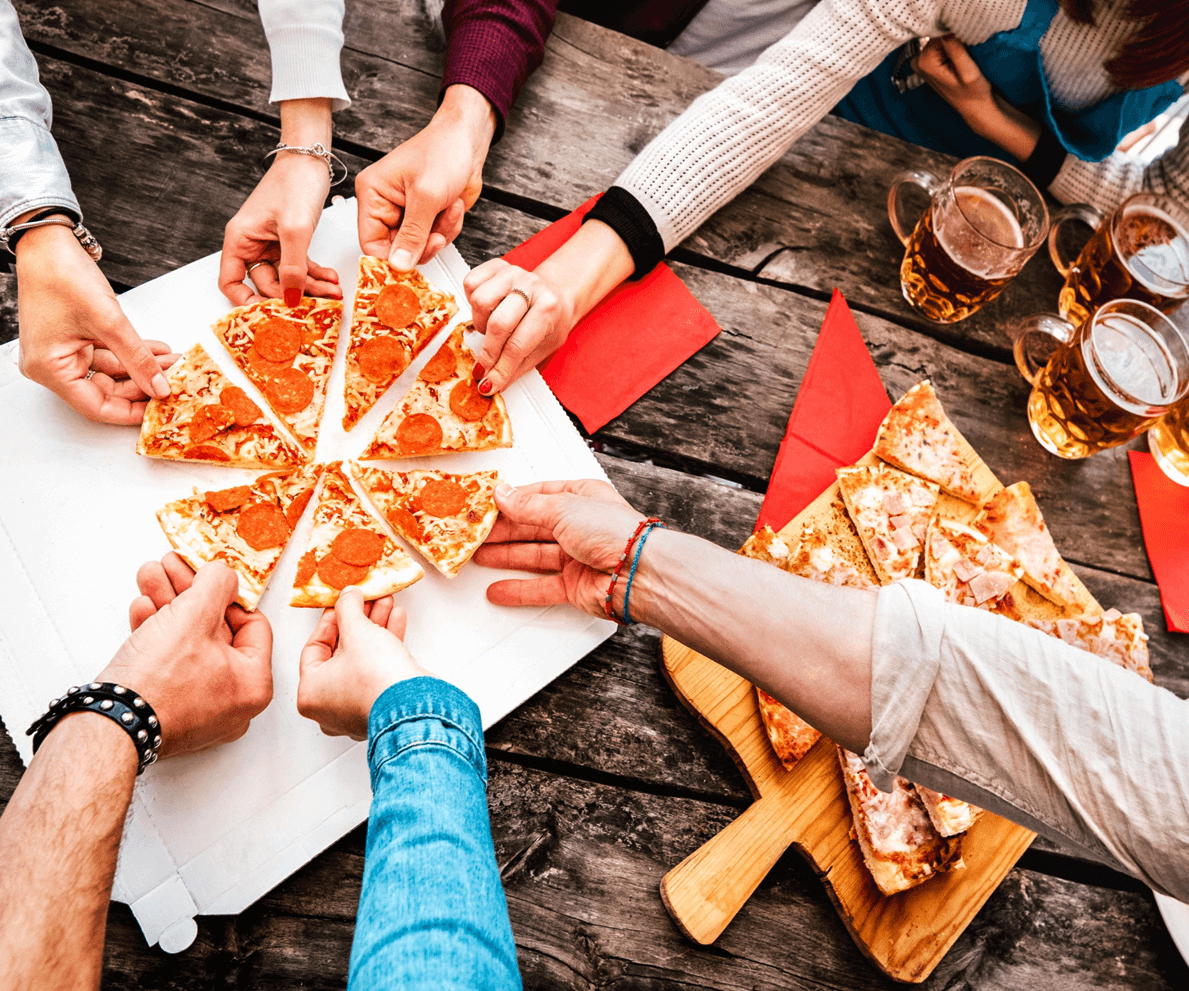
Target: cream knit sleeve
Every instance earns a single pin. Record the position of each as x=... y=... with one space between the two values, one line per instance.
x=305 y=39
x=728 y=136
x=1107 y=183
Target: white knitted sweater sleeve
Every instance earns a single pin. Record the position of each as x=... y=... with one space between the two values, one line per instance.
x=728 y=136
x=305 y=39
x=1107 y=183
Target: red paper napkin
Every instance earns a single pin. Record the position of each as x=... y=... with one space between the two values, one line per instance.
x=625 y=345
x=838 y=410
x=1164 y=516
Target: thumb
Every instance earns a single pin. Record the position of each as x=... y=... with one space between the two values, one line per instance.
x=527 y=508
x=415 y=227
x=348 y=614
x=208 y=598
x=291 y=272
x=135 y=355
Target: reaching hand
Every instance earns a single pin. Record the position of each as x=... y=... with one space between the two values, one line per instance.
x=203 y=663
x=355 y=653
x=948 y=68
x=573 y=532
x=412 y=201
x=71 y=324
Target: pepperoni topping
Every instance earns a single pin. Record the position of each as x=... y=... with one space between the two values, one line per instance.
x=242 y=408
x=306 y=566
x=442 y=497
x=263 y=525
x=468 y=402
x=278 y=340
x=418 y=434
x=336 y=574
x=440 y=367
x=205 y=452
x=398 y=306
x=226 y=499
x=208 y=421
x=405 y=523
x=264 y=368
x=297 y=507
x=359 y=547
x=290 y=391
x=382 y=358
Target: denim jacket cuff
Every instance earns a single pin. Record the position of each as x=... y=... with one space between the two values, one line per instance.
x=32 y=173
x=425 y=711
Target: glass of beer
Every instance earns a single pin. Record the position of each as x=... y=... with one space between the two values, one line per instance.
x=1108 y=380
x=1141 y=251
x=1168 y=440
x=982 y=224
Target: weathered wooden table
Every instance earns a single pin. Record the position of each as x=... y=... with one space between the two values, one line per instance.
x=602 y=782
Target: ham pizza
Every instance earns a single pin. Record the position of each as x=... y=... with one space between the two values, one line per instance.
x=1119 y=637
x=891 y=511
x=969 y=568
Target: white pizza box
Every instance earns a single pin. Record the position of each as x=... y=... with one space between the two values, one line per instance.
x=210 y=833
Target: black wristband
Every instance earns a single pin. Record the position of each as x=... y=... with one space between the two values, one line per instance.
x=623 y=213
x=41 y=215
x=1045 y=161
x=122 y=705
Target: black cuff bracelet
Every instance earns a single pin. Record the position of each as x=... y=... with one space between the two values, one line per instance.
x=127 y=709
x=624 y=214
x=1045 y=161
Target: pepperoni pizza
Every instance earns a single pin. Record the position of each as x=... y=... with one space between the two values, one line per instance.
x=348 y=547
x=246 y=527
x=206 y=418
x=444 y=410
x=396 y=314
x=444 y=517
x=287 y=352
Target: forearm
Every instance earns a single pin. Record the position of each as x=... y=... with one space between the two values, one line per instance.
x=59 y=840
x=588 y=266
x=467 y=111
x=1003 y=125
x=431 y=913
x=305 y=41
x=306 y=122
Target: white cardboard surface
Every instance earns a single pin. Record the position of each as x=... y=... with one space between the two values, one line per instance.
x=211 y=833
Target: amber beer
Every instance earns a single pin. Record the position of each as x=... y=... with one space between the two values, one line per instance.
x=982 y=224
x=1120 y=372
x=1168 y=440
x=1139 y=252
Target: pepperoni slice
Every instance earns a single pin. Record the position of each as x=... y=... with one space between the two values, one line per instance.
x=336 y=574
x=359 y=547
x=398 y=306
x=418 y=433
x=208 y=421
x=205 y=452
x=442 y=497
x=263 y=525
x=405 y=523
x=468 y=402
x=225 y=499
x=290 y=391
x=306 y=566
x=297 y=507
x=264 y=368
x=278 y=340
x=382 y=358
x=242 y=408
x=440 y=367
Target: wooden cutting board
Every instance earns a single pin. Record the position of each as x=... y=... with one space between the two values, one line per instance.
x=904 y=935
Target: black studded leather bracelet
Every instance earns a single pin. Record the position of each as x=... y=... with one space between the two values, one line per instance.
x=122 y=705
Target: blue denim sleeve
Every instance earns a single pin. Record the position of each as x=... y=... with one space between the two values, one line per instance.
x=432 y=912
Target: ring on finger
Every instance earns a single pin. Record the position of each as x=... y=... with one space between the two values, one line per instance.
x=90 y=374
x=263 y=261
x=521 y=293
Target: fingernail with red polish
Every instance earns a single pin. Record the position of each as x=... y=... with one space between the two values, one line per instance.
x=292 y=297
x=485 y=386
x=478 y=372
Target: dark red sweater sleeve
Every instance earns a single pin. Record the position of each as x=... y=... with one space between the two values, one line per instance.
x=494 y=46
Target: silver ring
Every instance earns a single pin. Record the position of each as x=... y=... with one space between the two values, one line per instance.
x=90 y=374
x=263 y=261
x=525 y=296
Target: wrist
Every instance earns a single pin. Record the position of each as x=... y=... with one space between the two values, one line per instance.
x=305 y=123
x=465 y=106
x=45 y=246
x=103 y=743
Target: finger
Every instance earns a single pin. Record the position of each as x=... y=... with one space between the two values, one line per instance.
x=323 y=273
x=349 y=613
x=489 y=294
x=321 y=644
x=377 y=216
x=548 y=591
x=415 y=225
x=232 y=272
x=85 y=396
x=141 y=610
x=504 y=321
x=435 y=244
x=505 y=531
x=381 y=609
x=323 y=288
x=445 y=229
x=181 y=575
x=264 y=278
x=528 y=508
x=104 y=361
x=210 y=596
x=543 y=558
x=291 y=272
x=119 y=388
x=398 y=622
x=154 y=584
x=964 y=66
x=534 y=331
x=252 y=636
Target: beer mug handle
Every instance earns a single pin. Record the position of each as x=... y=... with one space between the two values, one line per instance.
x=1034 y=339
x=916 y=177
x=1076 y=211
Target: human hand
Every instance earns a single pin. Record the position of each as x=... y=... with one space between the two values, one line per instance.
x=353 y=655
x=573 y=532
x=202 y=662
x=412 y=201
x=71 y=324
x=949 y=70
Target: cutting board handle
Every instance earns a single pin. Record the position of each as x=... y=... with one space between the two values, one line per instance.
x=706 y=890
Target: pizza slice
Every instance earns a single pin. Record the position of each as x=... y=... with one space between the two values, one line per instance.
x=790 y=735
x=950 y=816
x=969 y=567
x=1011 y=518
x=891 y=510
x=348 y=547
x=246 y=527
x=395 y=315
x=444 y=517
x=287 y=352
x=443 y=411
x=900 y=846
x=916 y=436
x=1119 y=637
x=207 y=418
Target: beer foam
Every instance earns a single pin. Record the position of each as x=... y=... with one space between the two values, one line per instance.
x=981 y=235
x=1156 y=249
x=990 y=216
x=1135 y=360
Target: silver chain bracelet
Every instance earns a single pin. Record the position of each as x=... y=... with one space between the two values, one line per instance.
x=318 y=150
x=9 y=235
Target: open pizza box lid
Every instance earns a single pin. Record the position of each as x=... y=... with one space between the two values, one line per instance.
x=210 y=833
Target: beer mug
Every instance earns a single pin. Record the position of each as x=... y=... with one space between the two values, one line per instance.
x=1107 y=381
x=1141 y=251
x=982 y=224
x=1168 y=440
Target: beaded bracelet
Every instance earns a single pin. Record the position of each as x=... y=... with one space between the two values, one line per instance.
x=627 y=589
x=619 y=567
x=122 y=705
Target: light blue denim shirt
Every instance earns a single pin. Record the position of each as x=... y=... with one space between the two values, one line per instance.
x=32 y=173
x=432 y=913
